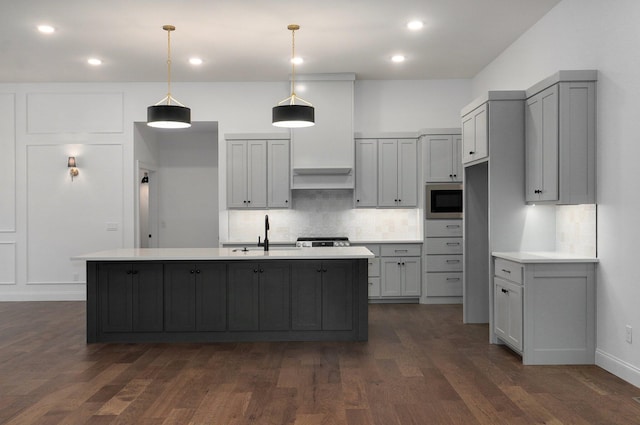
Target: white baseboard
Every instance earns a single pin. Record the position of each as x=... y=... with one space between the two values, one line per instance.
x=80 y=295
x=618 y=367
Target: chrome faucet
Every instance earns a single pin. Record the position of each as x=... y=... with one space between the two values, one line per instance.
x=265 y=244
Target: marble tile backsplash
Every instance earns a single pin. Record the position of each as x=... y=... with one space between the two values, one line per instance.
x=325 y=213
x=576 y=229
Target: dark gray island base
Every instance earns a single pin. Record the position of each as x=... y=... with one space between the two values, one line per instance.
x=227 y=300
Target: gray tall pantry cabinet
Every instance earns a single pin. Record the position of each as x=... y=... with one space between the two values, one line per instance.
x=494 y=204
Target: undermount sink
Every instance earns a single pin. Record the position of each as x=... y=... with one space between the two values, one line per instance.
x=271 y=248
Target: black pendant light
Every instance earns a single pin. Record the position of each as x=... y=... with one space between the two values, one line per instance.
x=291 y=115
x=164 y=114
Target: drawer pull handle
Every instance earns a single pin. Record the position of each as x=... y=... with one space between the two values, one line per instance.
x=453 y=243
x=453 y=261
x=453 y=279
x=401 y=250
x=506 y=271
x=453 y=226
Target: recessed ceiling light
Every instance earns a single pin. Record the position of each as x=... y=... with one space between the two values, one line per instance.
x=397 y=58
x=94 y=61
x=415 y=25
x=195 y=61
x=297 y=60
x=46 y=29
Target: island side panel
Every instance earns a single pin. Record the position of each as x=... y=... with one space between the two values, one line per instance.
x=361 y=301
x=92 y=301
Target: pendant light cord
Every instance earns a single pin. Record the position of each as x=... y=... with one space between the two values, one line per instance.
x=293 y=66
x=169 y=29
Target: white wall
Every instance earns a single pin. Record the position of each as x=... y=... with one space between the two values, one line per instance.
x=602 y=35
x=188 y=190
x=43 y=223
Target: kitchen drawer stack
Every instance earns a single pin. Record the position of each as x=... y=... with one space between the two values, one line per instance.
x=443 y=261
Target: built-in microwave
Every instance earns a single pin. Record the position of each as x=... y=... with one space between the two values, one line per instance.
x=443 y=201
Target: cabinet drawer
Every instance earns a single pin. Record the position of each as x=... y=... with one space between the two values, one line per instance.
x=409 y=250
x=443 y=228
x=374 y=287
x=374 y=267
x=444 y=263
x=444 y=284
x=444 y=245
x=508 y=270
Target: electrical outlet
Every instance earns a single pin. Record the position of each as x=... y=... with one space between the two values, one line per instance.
x=629 y=334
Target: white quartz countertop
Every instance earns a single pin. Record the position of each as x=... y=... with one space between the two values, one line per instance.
x=543 y=257
x=254 y=253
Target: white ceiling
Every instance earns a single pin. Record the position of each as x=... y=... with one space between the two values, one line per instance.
x=248 y=40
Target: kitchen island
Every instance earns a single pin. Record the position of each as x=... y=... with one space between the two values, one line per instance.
x=226 y=294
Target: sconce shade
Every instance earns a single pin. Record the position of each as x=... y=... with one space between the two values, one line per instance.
x=168 y=116
x=293 y=116
x=71 y=163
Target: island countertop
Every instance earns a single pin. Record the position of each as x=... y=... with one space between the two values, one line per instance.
x=275 y=253
x=543 y=257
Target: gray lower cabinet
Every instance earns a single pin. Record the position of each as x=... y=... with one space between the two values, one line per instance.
x=196 y=296
x=546 y=311
x=130 y=297
x=258 y=296
x=281 y=300
x=322 y=295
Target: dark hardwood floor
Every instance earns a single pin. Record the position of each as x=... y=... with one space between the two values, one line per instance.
x=421 y=365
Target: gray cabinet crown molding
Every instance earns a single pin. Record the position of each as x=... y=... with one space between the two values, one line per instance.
x=258 y=136
x=566 y=76
x=493 y=95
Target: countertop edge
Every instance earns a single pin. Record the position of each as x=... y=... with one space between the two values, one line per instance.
x=526 y=257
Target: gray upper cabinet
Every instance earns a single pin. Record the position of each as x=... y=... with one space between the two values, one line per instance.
x=560 y=120
x=278 y=179
x=258 y=174
x=441 y=158
x=475 y=139
x=366 y=193
x=246 y=172
x=397 y=173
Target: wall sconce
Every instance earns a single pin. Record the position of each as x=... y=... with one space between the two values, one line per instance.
x=71 y=163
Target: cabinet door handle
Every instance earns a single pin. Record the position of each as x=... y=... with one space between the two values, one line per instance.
x=453 y=261
x=453 y=226
x=255 y=270
x=400 y=250
x=398 y=263
x=471 y=152
x=286 y=201
x=403 y=263
x=371 y=283
x=453 y=279
x=129 y=272
x=450 y=175
x=244 y=202
x=248 y=202
x=504 y=291
x=453 y=243
x=319 y=270
x=191 y=271
x=506 y=271
x=261 y=270
x=399 y=200
x=357 y=200
x=135 y=272
x=198 y=271
x=324 y=270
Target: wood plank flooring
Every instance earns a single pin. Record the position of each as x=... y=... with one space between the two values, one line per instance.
x=421 y=365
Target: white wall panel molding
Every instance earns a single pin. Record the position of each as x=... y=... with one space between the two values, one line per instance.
x=50 y=113
x=48 y=295
x=67 y=218
x=8 y=268
x=8 y=200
